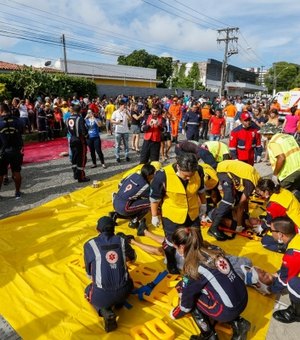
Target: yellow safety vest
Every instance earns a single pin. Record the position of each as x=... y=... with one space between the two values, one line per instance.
x=290 y=149
x=178 y=201
x=240 y=169
x=218 y=149
x=210 y=176
x=295 y=244
x=287 y=200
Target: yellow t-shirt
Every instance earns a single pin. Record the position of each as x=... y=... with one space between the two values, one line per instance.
x=109 y=109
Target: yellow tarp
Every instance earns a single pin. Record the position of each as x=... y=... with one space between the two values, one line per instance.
x=42 y=279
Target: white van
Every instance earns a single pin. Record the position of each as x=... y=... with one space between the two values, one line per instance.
x=287 y=99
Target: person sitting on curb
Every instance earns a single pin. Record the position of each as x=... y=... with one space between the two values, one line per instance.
x=105 y=259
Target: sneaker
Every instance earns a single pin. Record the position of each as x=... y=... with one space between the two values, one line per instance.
x=83 y=180
x=94 y=166
x=17 y=195
x=118 y=160
x=104 y=166
x=142 y=227
x=127 y=159
x=133 y=224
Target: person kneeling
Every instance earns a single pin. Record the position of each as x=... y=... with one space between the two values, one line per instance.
x=104 y=257
x=210 y=287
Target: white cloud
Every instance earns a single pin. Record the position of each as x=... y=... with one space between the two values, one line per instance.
x=269 y=27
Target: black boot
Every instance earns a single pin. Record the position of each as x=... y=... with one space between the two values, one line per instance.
x=134 y=223
x=171 y=260
x=114 y=215
x=75 y=175
x=142 y=227
x=207 y=330
x=217 y=234
x=289 y=315
x=240 y=327
x=109 y=317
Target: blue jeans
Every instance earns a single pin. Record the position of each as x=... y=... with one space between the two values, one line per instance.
x=119 y=137
x=214 y=137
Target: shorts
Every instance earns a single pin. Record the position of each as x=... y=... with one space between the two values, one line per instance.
x=14 y=159
x=136 y=129
x=166 y=136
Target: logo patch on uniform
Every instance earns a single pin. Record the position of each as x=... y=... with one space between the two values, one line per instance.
x=111 y=257
x=71 y=122
x=222 y=265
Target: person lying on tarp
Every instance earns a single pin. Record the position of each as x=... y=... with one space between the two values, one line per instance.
x=105 y=259
x=252 y=276
x=132 y=199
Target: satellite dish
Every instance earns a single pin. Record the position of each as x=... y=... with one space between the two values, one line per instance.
x=48 y=63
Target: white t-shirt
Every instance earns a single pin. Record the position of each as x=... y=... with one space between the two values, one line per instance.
x=23 y=111
x=120 y=116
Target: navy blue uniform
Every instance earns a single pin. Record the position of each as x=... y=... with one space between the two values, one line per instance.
x=132 y=199
x=78 y=132
x=105 y=262
x=192 y=120
x=219 y=293
x=11 y=143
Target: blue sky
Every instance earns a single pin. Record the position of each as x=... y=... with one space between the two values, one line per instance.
x=100 y=30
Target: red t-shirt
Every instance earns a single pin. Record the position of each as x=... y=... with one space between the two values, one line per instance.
x=216 y=124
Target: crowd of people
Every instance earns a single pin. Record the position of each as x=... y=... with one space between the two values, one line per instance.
x=209 y=181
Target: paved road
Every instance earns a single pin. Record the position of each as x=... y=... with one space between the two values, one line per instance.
x=43 y=182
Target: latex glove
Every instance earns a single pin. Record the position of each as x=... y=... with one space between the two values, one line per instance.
x=205 y=219
x=257 y=228
x=203 y=209
x=275 y=180
x=155 y=221
x=239 y=228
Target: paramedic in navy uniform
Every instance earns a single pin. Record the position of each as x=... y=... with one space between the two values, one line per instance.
x=132 y=199
x=105 y=259
x=210 y=287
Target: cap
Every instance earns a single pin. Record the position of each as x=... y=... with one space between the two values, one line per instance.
x=106 y=224
x=245 y=116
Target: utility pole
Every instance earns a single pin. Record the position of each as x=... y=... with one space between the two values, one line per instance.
x=65 y=52
x=262 y=75
x=229 y=51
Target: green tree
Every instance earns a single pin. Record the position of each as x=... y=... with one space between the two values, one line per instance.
x=30 y=83
x=141 y=58
x=283 y=76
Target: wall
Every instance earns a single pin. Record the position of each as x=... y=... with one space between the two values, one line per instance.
x=113 y=91
x=125 y=82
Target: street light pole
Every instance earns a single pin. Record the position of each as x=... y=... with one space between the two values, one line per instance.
x=275 y=77
x=274 y=80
